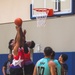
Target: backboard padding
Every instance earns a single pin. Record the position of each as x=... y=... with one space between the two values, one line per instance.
x=60 y=7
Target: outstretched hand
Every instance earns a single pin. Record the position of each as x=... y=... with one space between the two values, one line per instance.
x=18 y=28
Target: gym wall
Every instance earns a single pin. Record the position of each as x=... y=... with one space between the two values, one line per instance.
x=11 y=9
x=58 y=32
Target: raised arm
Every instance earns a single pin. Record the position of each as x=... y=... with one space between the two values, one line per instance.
x=18 y=39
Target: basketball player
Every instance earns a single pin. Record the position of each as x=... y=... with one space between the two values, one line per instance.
x=28 y=65
x=62 y=59
x=57 y=64
x=28 y=46
x=17 y=52
x=44 y=66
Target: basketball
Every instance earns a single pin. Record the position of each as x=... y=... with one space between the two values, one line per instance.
x=18 y=21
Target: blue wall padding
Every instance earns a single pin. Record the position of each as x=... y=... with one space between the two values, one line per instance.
x=37 y=56
x=70 y=62
x=3 y=58
x=73 y=63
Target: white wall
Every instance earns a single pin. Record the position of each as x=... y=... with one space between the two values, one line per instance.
x=7 y=32
x=11 y=9
x=59 y=33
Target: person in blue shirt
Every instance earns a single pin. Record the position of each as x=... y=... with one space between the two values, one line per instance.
x=57 y=64
x=62 y=59
x=44 y=66
x=6 y=66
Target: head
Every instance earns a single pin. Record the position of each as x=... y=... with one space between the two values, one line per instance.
x=48 y=51
x=11 y=44
x=25 y=48
x=53 y=55
x=9 y=56
x=63 y=57
x=31 y=44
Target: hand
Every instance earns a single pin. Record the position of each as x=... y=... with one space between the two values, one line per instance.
x=24 y=32
x=18 y=28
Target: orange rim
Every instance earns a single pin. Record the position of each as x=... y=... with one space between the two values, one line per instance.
x=41 y=9
x=48 y=11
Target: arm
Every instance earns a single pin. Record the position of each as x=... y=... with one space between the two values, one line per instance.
x=17 y=40
x=4 y=68
x=52 y=67
x=35 y=71
x=24 y=33
x=25 y=44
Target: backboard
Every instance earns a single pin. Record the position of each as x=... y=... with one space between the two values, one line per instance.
x=60 y=7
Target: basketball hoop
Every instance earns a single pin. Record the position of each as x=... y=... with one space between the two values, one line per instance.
x=42 y=14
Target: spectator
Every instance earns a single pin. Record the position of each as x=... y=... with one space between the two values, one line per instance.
x=62 y=59
x=6 y=66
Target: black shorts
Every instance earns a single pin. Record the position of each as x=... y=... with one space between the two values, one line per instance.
x=28 y=69
x=16 y=71
x=7 y=74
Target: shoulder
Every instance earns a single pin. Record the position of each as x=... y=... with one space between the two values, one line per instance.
x=51 y=63
x=65 y=66
x=5 y=63
x=39 y=61
x=56 y=61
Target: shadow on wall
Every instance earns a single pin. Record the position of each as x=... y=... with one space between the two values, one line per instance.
x=70 y=62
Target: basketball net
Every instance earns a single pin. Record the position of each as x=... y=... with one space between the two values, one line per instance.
x=41 y=17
